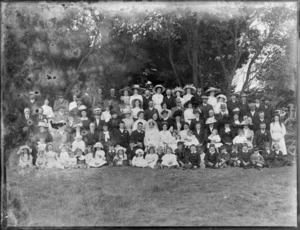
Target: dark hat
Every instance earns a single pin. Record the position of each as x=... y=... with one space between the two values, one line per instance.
x=177 y=113
x=187 y=103
x=113 y=112
x=104 y=124
x=164 y=111
x=180 y=142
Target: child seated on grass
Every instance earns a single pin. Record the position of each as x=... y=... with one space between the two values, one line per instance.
x=25 y=158
x=169 y=160
x=279 y=159
x=99 y=157
x=89 y=155
x=138 y=160
x=180 y=152
x=52 y=159
x=160 y=153
x=192 y=158
x=268 y=155
x=244 y=156
x=80 y=159
x=224 y=157
x=234 y=157
x=64 y=157
x=120 y=158
x=40 y=160
x=72 y=160
x=256 y=159
x=110 y=154
x=151 y=157
x=211 y=157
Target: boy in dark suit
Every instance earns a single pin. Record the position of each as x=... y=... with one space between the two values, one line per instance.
x=180 y=152
x=192 y=158
x=122 y=136
x=211 y=157
x=244 y=156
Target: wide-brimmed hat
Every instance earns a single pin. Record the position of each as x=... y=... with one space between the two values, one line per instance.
x=82 y=107
x=22 y=148
x=243 y=95
x=120 y=148
x=222 y=96
x=127 y=88
x=139 y=151
x=148 y=83
x=211 y=89
x=178 y=89
x=159 y=86
x=204 y=97
x=210 y=120
x=97 y=111
x=134 y=100
x=236 y=111
x=126 y=111
x=177 y=113
x=190 y=86
x=136 y=86
x=98 y=145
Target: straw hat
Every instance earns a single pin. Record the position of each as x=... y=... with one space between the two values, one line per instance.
x=22 y=148
x=178 y=89
x=120 y=148
x=190 y=86
x=126 y=88
x=236 y=111
x=133 y=102
x=98 y=145
x=222 y=96
x=212 y=89
x=82 y=107
x=159 y=86
x=210 y=121
x=136 y=86
x=139 y=151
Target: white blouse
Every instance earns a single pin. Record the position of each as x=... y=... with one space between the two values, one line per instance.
x=189 y=115
x=165 y=136
x=133 y=97
x=48 y=111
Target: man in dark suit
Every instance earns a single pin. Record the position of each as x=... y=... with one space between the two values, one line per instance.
x=198 y=95
x=26 y=124
x=40 y=116
x=205 y=107
x=178 y=106
x=150 y=111
x=223 y=115
x=97 y=120
x=253 y=114
x=166 y=119
x=261 y=137
x=33 y=104
x=199 y=133
x=268 y=109
x=169 y=99
x=258 y=104
x=138 y=135
x=244 y=109
x=259 y=120
x=122 y=136
x=146 y=98
x=196 y=120
x=232 y=104
x=92 y=135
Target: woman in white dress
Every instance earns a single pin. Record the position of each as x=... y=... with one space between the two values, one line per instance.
x=152 y=136
x=73 y=104
x=248 y=133
x=25 y=158
x=136 y=108
x=189 y=89
x=221 y=99
x=157 y=97
x=183 y=133
x=125 y=98
x=165 y=135
x=128 y=120
x=136 y=95
x=188 y=114
x=47 y=110
x=178 y=93
x=278 y=131
x=212 y=100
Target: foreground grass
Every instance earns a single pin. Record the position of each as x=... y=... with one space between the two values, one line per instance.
x=132 y=196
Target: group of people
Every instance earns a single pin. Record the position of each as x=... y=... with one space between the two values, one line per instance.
x=153 y=127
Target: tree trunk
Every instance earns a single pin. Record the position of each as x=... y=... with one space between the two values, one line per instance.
x=195 y=56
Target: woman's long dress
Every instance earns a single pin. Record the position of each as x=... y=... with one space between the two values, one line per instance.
x=249 y=134
x=277 y=133
x=152 y=137
x=213 y=102
x=157 y=99
x=189 y=115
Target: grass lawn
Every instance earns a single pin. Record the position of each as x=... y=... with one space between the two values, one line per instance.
x=132 y=196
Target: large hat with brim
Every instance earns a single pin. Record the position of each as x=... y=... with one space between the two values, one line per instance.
x=222 y=96
x=187 y=103
x=159 y=86
x=212 y=89
x=22 y=148
x=120 y=148
x=42 y=124
x=125 y=89
x=190 y=86
x=243 y=95
x=97 y=111
x=210 y=120
x=177 y=113
x=136 y=86
x=235 y=94
x=133 y=102
x=178 y=89
x=98 y=145
x=126 y=111
x=139 y=151
x=82 y=107
x=204 y=97
x=236 y=111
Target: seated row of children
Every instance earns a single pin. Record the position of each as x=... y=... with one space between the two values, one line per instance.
x=185 y=157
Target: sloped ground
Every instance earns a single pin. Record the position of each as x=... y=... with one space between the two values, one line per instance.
x=131 y=196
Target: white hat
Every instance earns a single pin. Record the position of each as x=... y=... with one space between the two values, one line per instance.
x=222 y=96
x=210 y=121
x=22 y=148
x=178 y=89
x=98 y=145
x=126 y=111
x=82 y=107
x=210 y=89
x=139 y=151
x=119 y=148
x=159 y=86
x=190 y=86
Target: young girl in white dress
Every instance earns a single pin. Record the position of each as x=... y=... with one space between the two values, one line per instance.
x=138 y=160
x=106 y=116
x=278 y=131
x=25 y=158
x=212 y=100
x=169 y=160
x=151 y=157
x=158 y=97
x=221 y=99
x=52 y=159
x=99 y=156
x=64 y=157
x=47 y=110
x=89 y=155
x=188 y=114
x=120 y=158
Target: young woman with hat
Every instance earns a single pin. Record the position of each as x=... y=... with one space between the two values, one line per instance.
x=178 y=93
x=189 y=90
x=221 y=99
x=249 y=134
x=25 y=157
x=47 y=110
x=128 y=120
x=212 y=100
x=158 y=97
x=136 y=108
x=136 y=95
x=125 y=98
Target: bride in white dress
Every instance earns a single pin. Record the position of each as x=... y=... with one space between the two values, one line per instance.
x=152 y=136
x=278 y=131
